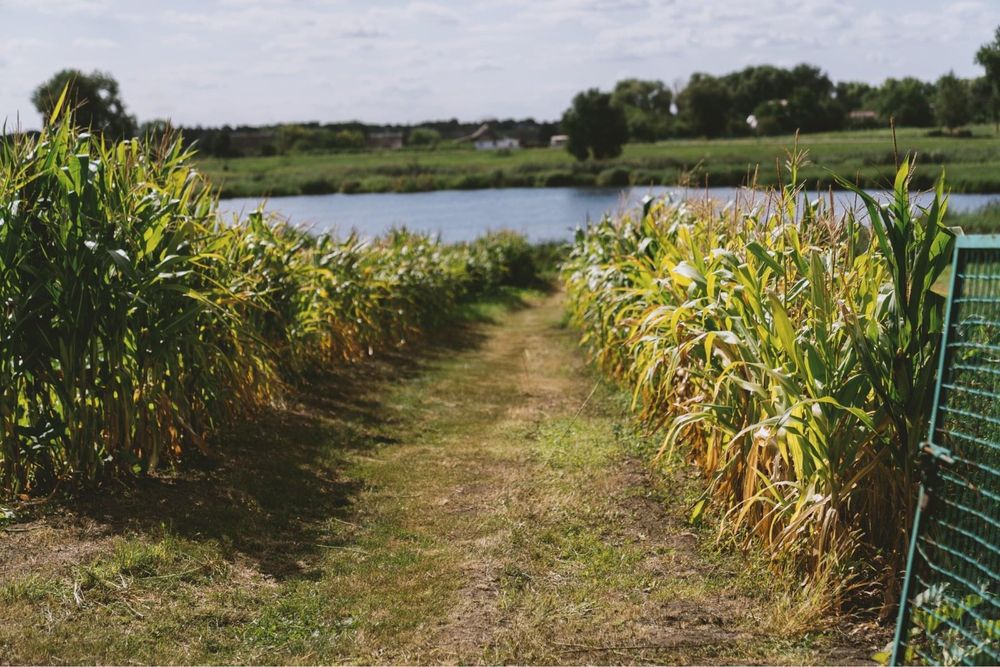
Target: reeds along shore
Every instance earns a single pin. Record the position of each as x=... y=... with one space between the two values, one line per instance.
x=136 y=323
x=790 y=351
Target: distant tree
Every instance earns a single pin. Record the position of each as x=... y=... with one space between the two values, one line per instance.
x=773 y=117
x=812 y=79
x=982 y=100
x=347 y=139
x=424 y=136
x=813 y=112
x=804 y=94
x=907 y=100
x=595 y=127
x=93 y=97
x=988 y=56
x=220 y=143
x=646 y=105
x=296 y=138
x=754 y=86
x=703 y=106
x=852 y=95
x=952 y=103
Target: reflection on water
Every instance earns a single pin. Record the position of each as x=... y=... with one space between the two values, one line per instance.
x=460 y=215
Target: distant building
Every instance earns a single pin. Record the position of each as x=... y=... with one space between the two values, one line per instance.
x=389 y=140
x=485 y=139
x=558 y=140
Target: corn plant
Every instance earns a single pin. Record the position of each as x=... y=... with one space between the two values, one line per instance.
x=770 y=341
x=117 y=341
x=136 y=322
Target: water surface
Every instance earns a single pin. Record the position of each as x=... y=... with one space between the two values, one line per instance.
x=460 y=215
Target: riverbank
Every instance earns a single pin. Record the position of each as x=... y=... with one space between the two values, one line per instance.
x=480 y=499
x=972 y=163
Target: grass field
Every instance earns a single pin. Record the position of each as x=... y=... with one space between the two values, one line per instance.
x=973 y=165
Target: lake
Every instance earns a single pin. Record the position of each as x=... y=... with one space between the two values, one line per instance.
x=542 y=214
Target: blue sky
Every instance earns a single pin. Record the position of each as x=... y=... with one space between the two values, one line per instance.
x=262 y=61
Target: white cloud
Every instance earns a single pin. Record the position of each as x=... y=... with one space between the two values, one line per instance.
x=94 y=43
x=256 y=61
x=60 y=7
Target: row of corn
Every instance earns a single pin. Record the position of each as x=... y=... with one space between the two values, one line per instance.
x=787 y=348
x=135 y=322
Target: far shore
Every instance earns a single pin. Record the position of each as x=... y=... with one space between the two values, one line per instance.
x=865 y=157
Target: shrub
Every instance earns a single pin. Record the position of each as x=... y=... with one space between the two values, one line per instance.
x=556 y=179
x=615 y=176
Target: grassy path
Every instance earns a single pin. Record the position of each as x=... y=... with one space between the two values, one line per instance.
x=479 y=500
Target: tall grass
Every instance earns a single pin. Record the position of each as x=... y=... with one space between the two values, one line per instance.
x=790 y=351
x=136 y=322
x=985 y=220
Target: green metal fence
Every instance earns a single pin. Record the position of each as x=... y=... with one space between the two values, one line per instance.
x=951 y=595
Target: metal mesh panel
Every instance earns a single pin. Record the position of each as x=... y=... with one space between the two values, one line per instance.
x=951 y=609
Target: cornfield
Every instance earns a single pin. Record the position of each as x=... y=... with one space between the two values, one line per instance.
x=787 y=348
x=136 y=322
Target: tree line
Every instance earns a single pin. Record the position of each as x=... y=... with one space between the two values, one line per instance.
x=773 y=100
x=98 y=105
x=756 y=100
x=769 y=100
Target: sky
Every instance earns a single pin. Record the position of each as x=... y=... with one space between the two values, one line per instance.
x=214 y=62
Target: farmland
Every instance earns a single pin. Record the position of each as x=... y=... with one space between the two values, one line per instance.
x=230 y=440
x=471 y=498
x=139 y=323
x=865 y=157
x=760 y=345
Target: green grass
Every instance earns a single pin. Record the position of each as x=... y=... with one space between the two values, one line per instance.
x=973 y=165
x=984 y=221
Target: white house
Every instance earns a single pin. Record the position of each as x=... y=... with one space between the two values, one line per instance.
x=493 y=144
x=558 y=140
x=485 y=139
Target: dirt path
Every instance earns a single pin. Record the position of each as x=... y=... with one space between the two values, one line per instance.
x=480 y=501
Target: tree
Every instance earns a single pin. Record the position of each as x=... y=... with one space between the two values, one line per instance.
x=988 y=56
x=424 y=136
x=595 y=127
x=704 y=106
x=982 y=100
x=646 y=105
x=293 y=138
x=853 y=95
x=907 y=100
x=773 y=117
x=952 y=103
x=347 y=139
x=93 y=97
x=755 y=86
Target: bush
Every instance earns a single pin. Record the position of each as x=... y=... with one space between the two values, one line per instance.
x=558 y=179
x=350 y=186
x=318 y=186
x=616 y=176
x=424 y=136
